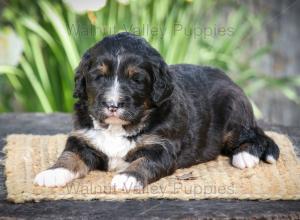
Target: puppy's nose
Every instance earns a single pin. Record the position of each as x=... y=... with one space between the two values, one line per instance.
x=113 y=108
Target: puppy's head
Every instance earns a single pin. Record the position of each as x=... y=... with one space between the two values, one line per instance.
x=122 y=77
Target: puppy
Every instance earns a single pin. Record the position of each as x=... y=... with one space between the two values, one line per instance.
x=144 y=119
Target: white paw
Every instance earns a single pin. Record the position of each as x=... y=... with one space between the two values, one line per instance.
x=270 y=159
x=244 y=160
x=125 y=182
x=54 y=177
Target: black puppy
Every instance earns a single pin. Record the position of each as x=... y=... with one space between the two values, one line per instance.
x=145 y=119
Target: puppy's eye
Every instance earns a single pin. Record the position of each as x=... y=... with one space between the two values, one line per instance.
x=137 y=78
x=96 y=75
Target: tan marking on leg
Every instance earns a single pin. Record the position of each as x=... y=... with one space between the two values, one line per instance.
x=72 y=162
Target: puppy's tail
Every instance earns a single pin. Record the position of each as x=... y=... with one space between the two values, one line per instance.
x=270 y=149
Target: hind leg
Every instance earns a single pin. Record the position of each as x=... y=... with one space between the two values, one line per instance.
x=243 y=141
x=247 y=146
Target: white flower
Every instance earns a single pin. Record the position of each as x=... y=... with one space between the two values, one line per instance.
x=82 y=6
x=11 y=47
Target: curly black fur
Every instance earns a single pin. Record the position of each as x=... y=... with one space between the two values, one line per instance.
x=190 y=114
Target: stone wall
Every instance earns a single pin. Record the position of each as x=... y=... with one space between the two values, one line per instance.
x=282 y=30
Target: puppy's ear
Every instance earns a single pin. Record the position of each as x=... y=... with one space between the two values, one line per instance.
x=162 y=82
x=80 y=82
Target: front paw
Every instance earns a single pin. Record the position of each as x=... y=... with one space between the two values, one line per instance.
x=54 y=177
x=126 y=182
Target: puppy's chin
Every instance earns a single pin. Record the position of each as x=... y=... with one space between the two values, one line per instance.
x=116 y=121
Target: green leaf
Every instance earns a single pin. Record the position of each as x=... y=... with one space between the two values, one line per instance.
x=256 y=110
x=34 y=82
x=62 y=31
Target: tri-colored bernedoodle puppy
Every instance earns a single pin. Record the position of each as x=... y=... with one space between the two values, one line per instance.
x=144 y=119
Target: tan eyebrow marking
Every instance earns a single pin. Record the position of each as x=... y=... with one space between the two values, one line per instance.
x=131 y=70
x=103 y=68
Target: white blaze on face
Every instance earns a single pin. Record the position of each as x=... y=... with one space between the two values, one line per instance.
x=114 y=92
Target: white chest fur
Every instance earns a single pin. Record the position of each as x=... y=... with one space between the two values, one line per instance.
x=112 y=142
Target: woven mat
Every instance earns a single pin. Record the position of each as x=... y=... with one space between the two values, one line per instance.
x=27 y=155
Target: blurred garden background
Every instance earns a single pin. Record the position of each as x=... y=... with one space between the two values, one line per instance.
x=255 y=42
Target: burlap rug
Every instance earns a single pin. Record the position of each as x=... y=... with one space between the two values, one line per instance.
x=27 y=155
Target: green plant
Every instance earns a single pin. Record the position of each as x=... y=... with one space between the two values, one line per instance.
x=54 y=37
